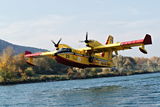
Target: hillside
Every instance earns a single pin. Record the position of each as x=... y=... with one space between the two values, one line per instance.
x=17 y=48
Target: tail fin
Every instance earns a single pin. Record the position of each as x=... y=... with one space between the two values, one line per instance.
x=27 y=52
x=108 y=54
x=109 y=40
x=147 y=39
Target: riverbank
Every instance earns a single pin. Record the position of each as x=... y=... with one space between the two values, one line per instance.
x=52 y=78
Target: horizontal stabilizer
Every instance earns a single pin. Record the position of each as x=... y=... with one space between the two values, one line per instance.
x=143 y=50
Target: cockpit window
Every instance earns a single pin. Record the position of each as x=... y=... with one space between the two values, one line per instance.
x=65 y=50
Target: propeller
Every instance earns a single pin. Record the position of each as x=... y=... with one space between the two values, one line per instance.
x=56 y=44
x=86 y=40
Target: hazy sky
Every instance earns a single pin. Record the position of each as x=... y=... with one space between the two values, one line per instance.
x=36 y=22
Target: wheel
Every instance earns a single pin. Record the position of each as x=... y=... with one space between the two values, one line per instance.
x=90 y=59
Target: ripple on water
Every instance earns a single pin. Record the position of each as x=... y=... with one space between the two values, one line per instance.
x=137 y=90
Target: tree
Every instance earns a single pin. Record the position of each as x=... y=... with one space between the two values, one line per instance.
x=46 y=65
x=7 y=66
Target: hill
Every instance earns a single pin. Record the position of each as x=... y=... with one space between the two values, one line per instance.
x=17 y=48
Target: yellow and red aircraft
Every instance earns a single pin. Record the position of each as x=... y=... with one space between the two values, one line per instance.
x=94 y=55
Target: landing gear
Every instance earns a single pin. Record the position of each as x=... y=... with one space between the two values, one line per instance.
x=114 y=69
x=90 y=59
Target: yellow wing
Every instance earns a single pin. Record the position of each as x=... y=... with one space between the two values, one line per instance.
x=123 y=45
x=93 y=43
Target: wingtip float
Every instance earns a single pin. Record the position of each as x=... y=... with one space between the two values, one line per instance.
x=94 y=55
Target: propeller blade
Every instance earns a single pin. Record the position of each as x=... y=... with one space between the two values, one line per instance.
x=59 y=41
x=86 y=36
x=86 y=40
x=56 y=44
x=53 y=42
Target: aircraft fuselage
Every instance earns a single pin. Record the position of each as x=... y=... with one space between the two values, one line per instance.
x=80 y=60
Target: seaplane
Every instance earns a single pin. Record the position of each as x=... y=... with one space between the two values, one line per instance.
x=94 y=54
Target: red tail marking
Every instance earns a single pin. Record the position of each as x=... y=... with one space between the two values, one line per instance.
x=29 y=54
x=147 y=39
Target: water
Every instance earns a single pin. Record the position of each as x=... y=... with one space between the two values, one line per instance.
x=133 y=91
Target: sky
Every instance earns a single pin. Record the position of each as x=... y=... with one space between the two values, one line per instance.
x=36 y=22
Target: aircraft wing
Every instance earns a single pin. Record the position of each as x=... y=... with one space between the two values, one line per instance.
x=123 y=45
x=28 y=56
x=39 y=54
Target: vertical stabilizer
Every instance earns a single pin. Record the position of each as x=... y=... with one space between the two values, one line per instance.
x=108 y=54
x=109 y=40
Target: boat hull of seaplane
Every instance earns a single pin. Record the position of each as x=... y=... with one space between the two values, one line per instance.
x=80 y=61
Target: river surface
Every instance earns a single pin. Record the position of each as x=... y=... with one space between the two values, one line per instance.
x=133 y=91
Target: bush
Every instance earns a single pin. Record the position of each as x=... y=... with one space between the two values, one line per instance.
x=46 y=65
x=29 y=71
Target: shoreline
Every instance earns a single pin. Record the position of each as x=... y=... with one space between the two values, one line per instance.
x=53 y=78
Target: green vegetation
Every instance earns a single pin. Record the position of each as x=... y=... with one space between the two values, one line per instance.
x=13 y=68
